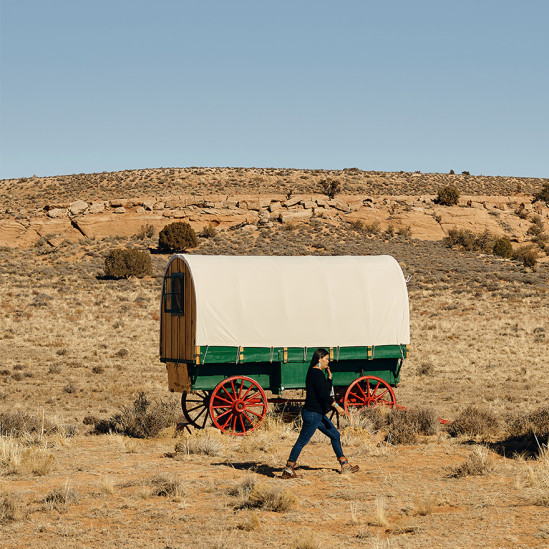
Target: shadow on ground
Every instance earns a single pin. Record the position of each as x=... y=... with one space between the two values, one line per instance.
x=263 y=469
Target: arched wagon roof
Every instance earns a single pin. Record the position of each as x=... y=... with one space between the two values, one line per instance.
x=308 y=301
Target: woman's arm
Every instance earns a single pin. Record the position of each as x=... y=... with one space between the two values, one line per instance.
x=334 y=404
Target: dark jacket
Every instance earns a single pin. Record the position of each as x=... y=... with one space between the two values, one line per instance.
x=318 y=397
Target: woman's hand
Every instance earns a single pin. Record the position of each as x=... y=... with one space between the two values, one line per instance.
x=340 y=411
x=329 y=372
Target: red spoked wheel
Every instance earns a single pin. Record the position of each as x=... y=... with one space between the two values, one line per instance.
x=238 y=405
x=368 y=391
x=195 y=408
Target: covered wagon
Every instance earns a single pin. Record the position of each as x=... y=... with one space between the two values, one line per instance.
x=236 y=328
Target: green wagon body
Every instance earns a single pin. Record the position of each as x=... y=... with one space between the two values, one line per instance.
x=273 y=373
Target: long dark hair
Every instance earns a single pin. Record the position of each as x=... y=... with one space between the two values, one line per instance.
x=319 y=353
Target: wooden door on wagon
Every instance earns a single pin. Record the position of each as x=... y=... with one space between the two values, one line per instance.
x=178 y=314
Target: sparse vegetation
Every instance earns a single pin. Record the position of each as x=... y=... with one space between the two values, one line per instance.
x=542 y=195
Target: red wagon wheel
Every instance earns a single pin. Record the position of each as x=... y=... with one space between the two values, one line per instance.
x=195 y=408
x=368 y=391
x=238 y=405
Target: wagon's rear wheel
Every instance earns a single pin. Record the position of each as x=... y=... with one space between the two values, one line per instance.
x=195 y=408
x=238 y=405
x=368 y=391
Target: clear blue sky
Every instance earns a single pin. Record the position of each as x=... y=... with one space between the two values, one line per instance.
x=429 y=85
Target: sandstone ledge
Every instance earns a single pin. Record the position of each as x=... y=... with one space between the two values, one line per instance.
x=126 y=216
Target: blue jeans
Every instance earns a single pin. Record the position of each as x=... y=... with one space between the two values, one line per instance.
x=311 y=422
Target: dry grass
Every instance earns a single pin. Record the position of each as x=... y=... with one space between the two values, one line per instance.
x=17 y=458
x=535 y=479
x=11 y=508
x=270 y=498
x=167 y=486
x=59 y=498
x=380 y=513
x=208 y=442
x=478 y=463
x=305 y=540
x=424 y=505
x=248 y=522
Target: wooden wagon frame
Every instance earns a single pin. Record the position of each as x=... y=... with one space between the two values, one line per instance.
x=233 y=327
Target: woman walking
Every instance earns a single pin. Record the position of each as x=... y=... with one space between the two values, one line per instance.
x=319 y=400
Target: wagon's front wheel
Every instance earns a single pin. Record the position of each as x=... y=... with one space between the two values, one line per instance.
x=238 y=405
x=195 y=408
x=368 y=391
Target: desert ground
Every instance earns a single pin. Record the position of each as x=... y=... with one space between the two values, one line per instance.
x=77 y=349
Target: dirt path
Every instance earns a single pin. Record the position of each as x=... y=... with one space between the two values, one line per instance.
x=404 y=496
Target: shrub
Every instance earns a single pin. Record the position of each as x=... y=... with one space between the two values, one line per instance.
x=469 y=241
x=58 y=499
x=330 y=187
x=527 y=254
x=207 y=443
x=485 y=242
x=537 y=226
x=534 y=424
x=447 y=196
x=403 y=426
x=142 y=420
x=503 y=248
x=177 y=237
x=146 y=231
x=542 y=195
x=473 y=422
x=18 y=424
x=126 y=262
x=208 y=232
x=462 y=238
x=405 y=232
x=522 y=212
x=372 y=228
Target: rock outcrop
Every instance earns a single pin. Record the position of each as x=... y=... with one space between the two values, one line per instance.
x=418 y=215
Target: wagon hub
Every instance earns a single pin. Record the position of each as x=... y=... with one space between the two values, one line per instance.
x=239 y=405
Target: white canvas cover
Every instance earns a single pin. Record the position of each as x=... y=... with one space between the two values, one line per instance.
x=308 y=301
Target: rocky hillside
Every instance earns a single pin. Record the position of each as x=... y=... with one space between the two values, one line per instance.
x=68 y=208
